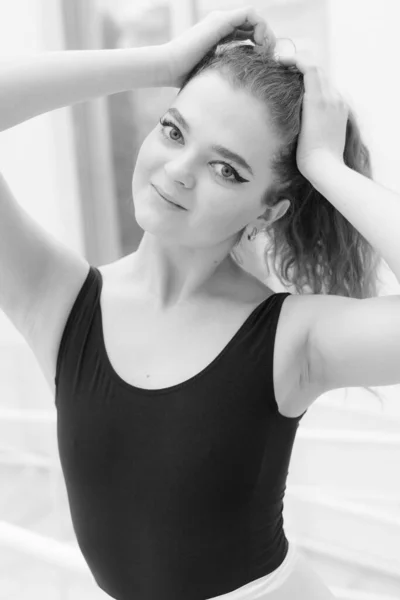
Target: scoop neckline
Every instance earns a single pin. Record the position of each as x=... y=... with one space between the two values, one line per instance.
x=166 y=390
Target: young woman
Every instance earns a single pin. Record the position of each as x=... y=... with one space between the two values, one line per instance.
x=180 y=379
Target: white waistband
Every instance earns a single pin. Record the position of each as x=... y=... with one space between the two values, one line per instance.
x=256 y=590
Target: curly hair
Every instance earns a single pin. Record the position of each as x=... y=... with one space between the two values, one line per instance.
x=313 y=246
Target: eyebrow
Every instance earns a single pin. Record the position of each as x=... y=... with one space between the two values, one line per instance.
x=221 y=150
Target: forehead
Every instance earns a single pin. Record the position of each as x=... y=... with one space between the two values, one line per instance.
x=219 y=114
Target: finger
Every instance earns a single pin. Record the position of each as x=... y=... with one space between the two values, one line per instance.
x=285 y=51
x=271 y=37
x=286 y=61
x=248 y=17
x=315 y=80
x=260 y=32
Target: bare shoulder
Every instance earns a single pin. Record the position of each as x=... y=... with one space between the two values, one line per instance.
x=43 y=335
x=294 y=392
x=296 y=312
x=295 y=389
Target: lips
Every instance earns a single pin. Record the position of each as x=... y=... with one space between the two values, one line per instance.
x=166 y=197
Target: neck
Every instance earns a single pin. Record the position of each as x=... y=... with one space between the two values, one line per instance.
x=172 y=275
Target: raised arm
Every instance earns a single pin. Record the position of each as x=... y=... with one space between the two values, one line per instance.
x=39 y=274
x=33 y=85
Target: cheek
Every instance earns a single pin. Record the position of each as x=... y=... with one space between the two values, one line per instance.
x=145 y=153
x=148 y=153
x=144 y=167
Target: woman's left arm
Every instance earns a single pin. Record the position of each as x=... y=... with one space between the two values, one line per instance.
x=351 y=342
x=371 y=208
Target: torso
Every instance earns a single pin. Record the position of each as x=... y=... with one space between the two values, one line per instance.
x=162 y=348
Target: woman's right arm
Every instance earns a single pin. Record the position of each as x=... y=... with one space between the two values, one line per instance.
x=33 y=85
x=38 y=273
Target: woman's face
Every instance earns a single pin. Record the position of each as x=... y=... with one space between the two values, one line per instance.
x=221 y=195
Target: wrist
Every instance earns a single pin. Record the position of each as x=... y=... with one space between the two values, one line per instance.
x=149 y=66
x=317 y=170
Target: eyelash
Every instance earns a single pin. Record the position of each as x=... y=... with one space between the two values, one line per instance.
x=238 y=179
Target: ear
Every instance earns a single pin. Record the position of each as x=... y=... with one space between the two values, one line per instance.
x=281 y=208
x=271 y=214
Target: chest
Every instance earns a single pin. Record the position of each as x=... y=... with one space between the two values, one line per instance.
x=152 y=351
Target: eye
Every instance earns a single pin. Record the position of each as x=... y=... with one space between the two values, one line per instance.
x=237 y=179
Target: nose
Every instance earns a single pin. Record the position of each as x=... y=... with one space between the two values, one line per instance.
x=180 y=172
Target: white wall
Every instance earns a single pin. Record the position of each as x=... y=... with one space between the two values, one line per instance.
x=365 y=59
x=364 y=65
